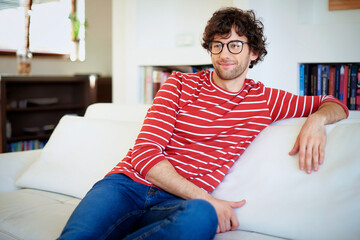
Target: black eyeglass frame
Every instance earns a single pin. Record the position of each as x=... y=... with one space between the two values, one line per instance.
x=227 y=45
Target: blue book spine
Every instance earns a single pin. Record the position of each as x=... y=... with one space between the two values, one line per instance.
x=341 y=88
x=319 y=81
x=325 y=79
x=302 y=80
x=337 y=82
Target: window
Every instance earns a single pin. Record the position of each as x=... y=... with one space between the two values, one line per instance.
x=50 y=27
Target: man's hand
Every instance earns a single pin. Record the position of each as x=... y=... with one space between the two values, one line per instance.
x=310 y=144
x=164 y=176
x=226 y=215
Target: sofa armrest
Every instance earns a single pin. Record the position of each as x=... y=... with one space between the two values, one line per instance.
x=12 y=165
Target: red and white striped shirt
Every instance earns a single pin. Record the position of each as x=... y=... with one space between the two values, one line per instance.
x=202 y=129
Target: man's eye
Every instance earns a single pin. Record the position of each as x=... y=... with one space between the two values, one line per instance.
x=235 y=45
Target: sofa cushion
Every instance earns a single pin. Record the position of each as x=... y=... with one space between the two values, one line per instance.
x=286 y=202
x=33 y=214
x=12 y=165
x=38 y=215
x=80 y=152
x=244 y=235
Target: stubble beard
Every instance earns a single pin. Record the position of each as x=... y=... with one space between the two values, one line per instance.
x=234 y=73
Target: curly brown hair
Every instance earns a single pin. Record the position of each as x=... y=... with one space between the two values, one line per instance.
x=244 y=23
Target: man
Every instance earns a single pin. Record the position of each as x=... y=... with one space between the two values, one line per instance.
x=197 y=127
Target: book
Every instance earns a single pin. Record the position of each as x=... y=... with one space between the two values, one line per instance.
x=306 y=80
x=343 y=89
x=154 y=78
x=332 y=81
x=353 y=86
x=313 y=80
x=302 y=80
x=337 y=82
x=349 y=80
x=148 y=85
x=325 y=79
x=358 y=91
x=164 y=76
x=319 y=80
x=341 y=83
x=156 y=81
x=26 y=145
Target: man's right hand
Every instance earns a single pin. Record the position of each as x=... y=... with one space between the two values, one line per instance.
x=164 y=176
x=226 y=215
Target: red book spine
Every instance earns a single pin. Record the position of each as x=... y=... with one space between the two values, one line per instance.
x=332 y=81
x=346 y=83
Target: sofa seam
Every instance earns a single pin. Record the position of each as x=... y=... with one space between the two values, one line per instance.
x=10 y=234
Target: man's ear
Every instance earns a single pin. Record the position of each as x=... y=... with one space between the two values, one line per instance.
x=253 y=56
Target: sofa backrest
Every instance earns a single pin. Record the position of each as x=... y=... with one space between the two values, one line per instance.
x=137 y=112
x=121 y=112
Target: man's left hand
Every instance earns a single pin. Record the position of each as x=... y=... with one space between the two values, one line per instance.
x=310 y=144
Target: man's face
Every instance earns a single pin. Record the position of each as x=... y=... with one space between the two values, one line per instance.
x=229 y=66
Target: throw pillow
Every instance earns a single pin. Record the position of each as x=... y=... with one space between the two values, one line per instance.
x=80 y=152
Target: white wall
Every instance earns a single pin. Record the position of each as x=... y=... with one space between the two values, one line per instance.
x=297 y=31
x=98 y=48
x=145 y=32
x=304 y=31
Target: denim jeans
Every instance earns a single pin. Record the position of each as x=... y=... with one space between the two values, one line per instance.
x=119 y=208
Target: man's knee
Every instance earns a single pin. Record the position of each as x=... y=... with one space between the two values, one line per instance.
x=203 y=215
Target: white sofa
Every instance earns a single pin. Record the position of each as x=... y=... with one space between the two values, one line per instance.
x=39 y=189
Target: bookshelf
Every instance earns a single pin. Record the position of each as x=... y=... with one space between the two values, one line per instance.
x=341 y=80
x=31 y=106
x=151 y=78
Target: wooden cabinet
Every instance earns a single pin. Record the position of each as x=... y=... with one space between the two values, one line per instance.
x=31 y=106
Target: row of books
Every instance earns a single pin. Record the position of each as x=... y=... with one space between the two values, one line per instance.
x=26 y=145
x=152 y=78
x=339 y=80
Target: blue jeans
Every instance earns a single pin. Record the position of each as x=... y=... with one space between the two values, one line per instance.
x=119 y=208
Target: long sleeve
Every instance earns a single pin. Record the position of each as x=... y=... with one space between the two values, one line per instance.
x=284 y=105
x=157 y=128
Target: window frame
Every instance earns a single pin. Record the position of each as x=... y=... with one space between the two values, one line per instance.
x=12 y=52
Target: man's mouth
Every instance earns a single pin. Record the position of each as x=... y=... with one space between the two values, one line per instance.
x=226 y=64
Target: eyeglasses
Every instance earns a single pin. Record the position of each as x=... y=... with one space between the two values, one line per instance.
x=235 y=47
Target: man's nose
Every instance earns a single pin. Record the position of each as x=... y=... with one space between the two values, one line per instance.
x=225 y=52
